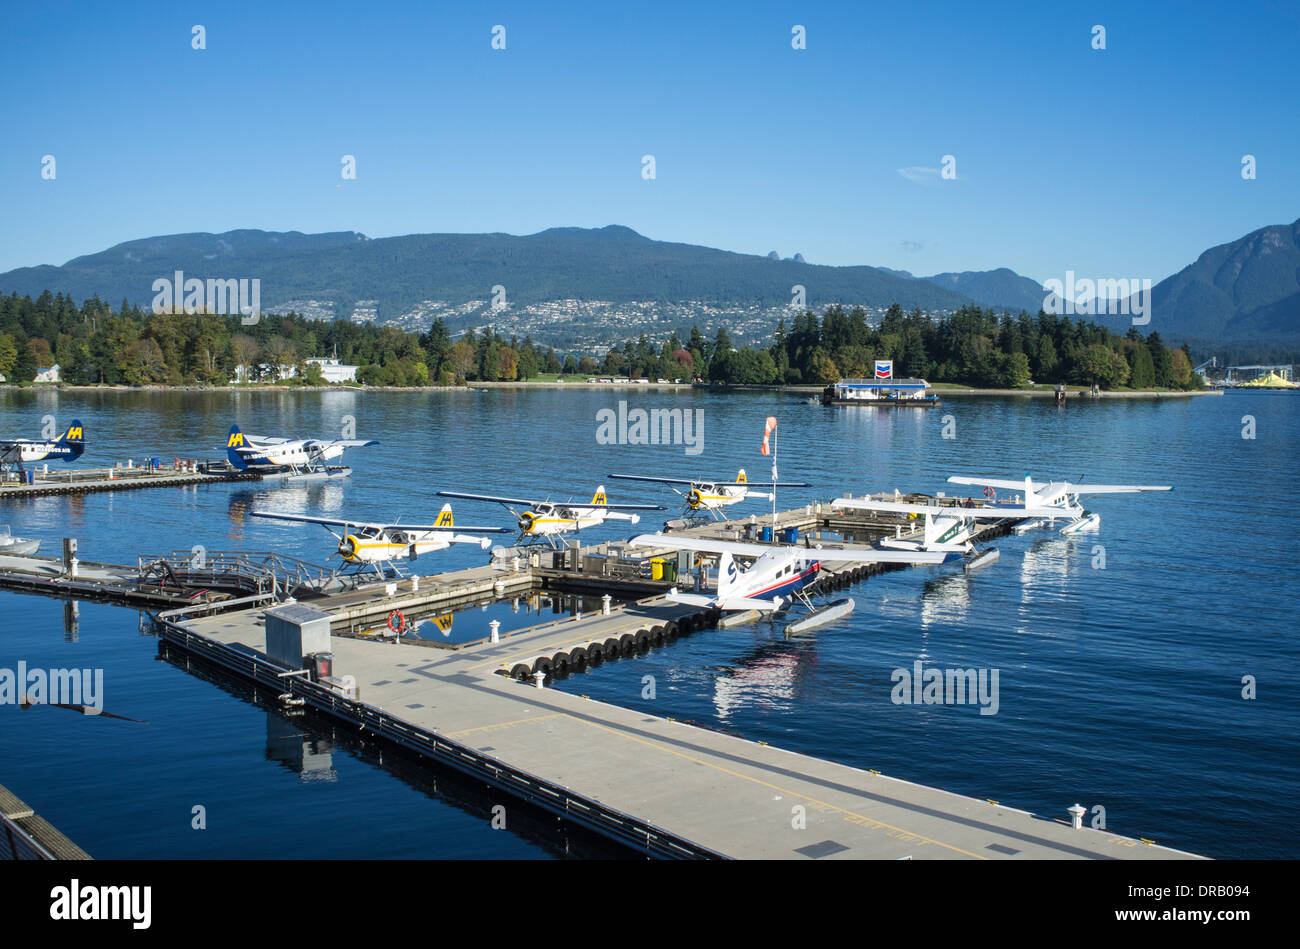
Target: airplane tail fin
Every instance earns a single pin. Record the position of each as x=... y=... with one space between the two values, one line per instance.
x=727 y=575
x=444 y=517
x=599 y=496
x=740 y=476
x=74 y=438
x=234 y=440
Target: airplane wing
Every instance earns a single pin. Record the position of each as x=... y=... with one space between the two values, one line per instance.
x=1117 y=488
x=898 y=507
x=655 y=480
x=489 y=497
x=719 y=484
x=412 y=528
x=731 y=603
x=458 y=529
x=587 y=505
x=824 y=554
x=1004 y=483
x=1008 y=485
x=318 y=443
x=306 y=519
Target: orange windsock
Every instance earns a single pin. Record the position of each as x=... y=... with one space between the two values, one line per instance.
x=767 y=432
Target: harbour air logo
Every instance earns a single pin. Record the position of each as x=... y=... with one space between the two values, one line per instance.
x=225 y=297
x=653 y=427
x=921 y=686
x=1087 y=297
x=83 y=688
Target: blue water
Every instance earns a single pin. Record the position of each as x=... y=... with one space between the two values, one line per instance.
x=1120 y=687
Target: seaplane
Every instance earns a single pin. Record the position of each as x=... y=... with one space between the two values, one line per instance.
x=367 y=544
x=1044 y=503
x=948 y=529
x=304 y=458
x=712 y=496
x=68 y=446
x=547 y=520
x=777 y=575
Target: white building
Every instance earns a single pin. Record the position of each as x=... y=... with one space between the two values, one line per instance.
x=47 y=375
x=334 y=371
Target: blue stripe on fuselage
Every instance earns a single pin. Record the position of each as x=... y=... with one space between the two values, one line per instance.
x=793 y=585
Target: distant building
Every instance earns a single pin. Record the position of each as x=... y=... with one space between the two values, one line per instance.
x=47 y=375
x=333 y=371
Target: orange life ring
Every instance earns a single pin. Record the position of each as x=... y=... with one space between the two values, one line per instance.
x=399 y=618
x=989 y=492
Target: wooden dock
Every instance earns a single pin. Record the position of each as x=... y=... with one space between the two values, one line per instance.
x=92 y=480
x=25 y=835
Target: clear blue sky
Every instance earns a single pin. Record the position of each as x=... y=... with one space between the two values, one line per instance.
x=1122 y=162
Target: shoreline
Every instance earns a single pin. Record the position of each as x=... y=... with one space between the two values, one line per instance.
x=800 y=390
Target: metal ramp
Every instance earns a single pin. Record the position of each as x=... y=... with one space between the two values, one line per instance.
x=243 y=573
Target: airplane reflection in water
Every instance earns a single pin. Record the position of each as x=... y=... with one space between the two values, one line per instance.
x=946 y=599
x=766 y=680
x=311 y=497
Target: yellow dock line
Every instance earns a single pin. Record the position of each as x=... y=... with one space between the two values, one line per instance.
x=517 y=721
x=775 y=787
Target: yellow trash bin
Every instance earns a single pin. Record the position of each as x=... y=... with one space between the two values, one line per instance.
x=657 y=568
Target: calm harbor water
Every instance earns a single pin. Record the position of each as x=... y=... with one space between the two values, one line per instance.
x=1120 y=654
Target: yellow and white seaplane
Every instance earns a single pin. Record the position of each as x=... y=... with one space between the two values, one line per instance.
x=713 y=496
x=547 y=520
x=1046 y=502
x=363 y=544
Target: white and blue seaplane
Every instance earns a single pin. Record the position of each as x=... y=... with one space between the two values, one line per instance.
x=777 y=576
x=710 y=497
x=549 y=520
x=1044 y=503
x=68 y=446
x=300 y=459
x=379 y=546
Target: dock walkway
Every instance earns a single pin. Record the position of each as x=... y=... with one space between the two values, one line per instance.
x=687 y=790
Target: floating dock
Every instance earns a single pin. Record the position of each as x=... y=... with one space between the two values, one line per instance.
x=661 y=787
x=91 y=480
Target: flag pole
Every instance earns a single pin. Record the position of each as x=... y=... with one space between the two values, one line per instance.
x=770 y=428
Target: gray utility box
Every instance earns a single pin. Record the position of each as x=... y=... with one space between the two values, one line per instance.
x=294 y=632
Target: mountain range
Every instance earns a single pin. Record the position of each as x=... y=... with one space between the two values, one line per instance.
x=567 y=283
